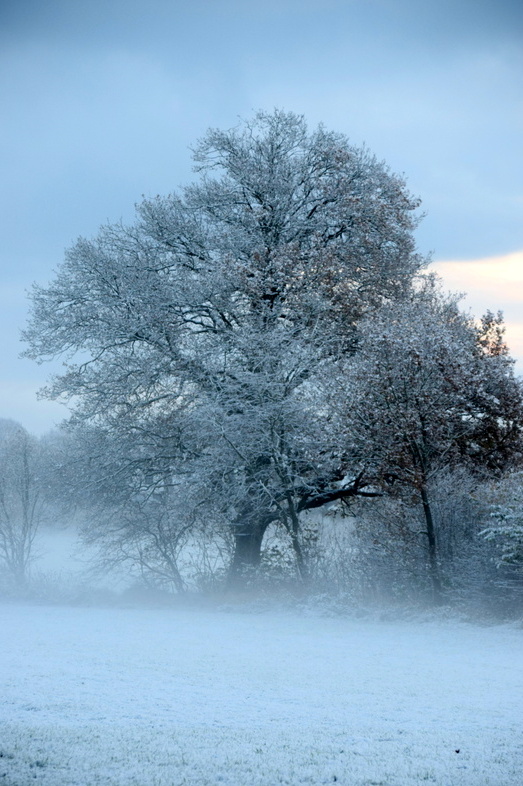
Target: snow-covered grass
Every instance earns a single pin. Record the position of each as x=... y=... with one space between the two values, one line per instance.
x=171 y=697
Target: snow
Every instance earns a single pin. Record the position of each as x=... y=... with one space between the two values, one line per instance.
x=139 y=696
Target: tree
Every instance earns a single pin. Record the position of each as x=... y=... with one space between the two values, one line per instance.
x=203 y=327
x=430 y=391
x=128 y=506
x=21 y=499
x=505 y=501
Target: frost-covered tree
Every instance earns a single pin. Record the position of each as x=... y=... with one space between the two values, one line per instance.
x=128 y=505
x=22 y=499
x=505 y=501
x=427 y=391
x=202 y=327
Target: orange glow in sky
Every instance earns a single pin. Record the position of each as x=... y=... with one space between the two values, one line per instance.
x=494 y=283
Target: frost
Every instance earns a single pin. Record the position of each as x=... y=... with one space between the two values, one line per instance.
x=129 y=696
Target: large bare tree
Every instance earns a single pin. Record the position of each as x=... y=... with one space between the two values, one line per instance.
x=200 y=329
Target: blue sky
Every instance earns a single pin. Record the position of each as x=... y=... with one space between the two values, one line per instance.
x=102 y=101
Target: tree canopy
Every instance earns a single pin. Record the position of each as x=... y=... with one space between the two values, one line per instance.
x=200 y=337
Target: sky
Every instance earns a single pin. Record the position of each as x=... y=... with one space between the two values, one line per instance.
x=103 y=99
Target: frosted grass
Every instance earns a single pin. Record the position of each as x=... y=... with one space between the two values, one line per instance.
x=166 y=697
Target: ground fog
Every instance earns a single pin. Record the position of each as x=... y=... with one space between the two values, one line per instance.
x=122 y=697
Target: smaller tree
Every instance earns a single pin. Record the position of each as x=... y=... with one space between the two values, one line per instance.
x=428 y=391
x=145 y=534
x=129 y=505
x=21 y=499
x=505 y=500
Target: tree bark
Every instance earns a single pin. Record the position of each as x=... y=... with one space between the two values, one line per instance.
x=247 y=552
x=294 y=531
x=303 y=570
x=434 y=570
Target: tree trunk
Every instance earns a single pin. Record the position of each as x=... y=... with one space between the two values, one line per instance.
x=247 y=553
x=301 y=564
x=435 y=576
x=294 y=531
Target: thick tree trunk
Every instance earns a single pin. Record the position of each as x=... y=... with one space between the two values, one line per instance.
x=247 y=553
x=435 y=576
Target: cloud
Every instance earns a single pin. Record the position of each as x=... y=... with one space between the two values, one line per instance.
x=498 y=277
x=494 y=283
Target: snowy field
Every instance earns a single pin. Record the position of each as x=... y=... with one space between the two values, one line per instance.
x=171 y=697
